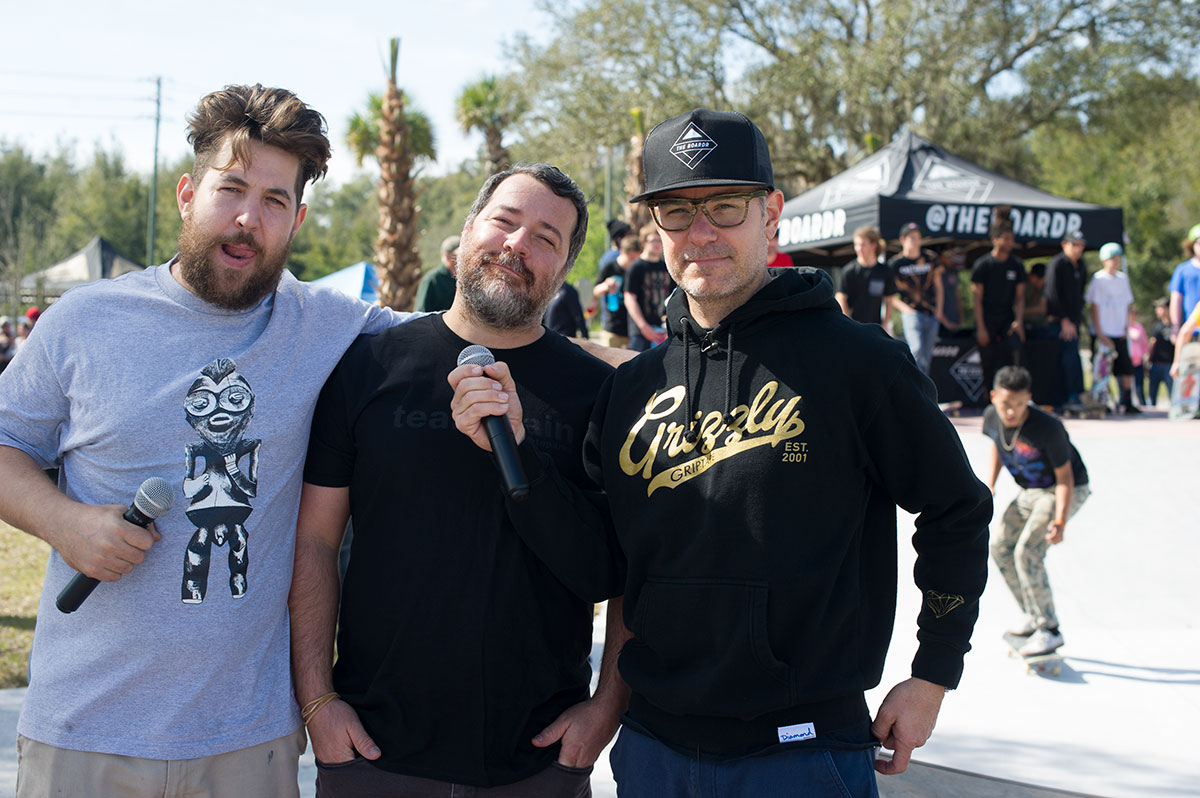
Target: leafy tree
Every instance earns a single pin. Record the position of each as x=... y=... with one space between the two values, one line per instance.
x=28 y=193
x=107 y=201
x=398 y=140
x=1135 y=149
x=606 y=57
x=445 y=201
x=338 y=231
x=491 y=105
x=829 y=80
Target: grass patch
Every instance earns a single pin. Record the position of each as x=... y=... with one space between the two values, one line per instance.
x=23 y=564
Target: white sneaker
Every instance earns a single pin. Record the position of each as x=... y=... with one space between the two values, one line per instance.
x=1024 y=629
x=1043 y=641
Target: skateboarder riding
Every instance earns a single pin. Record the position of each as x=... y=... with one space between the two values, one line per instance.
x=1035 y=448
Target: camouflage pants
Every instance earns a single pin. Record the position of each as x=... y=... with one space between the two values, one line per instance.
x=1019 y=549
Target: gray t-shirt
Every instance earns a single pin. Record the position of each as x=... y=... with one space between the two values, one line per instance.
x=125 y=379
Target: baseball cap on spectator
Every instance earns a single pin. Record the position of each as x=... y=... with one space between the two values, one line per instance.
x=33 y=314
x=1194 y=233
x=449 y=244
x=705 y=148
x=911 y=227
x=1074 y=237
x=5 y=320
x=1111 y=250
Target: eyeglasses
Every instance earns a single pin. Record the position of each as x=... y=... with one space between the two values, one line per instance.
x=724 y=210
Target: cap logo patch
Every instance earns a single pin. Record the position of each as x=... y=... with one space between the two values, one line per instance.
x=692 y=146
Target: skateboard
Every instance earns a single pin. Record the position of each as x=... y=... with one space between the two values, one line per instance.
x=1043 y=664
x=1087 y=408
x=1102 y=360
x=1185 y=396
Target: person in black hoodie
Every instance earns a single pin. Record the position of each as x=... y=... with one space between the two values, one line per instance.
x=462 y=655
x=752 y=468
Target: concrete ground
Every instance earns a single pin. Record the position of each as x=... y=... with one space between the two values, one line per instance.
x=1119 y=720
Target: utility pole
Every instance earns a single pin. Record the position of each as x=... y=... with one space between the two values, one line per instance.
x=154 y=175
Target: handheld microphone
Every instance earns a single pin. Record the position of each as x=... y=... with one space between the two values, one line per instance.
x=154 y=497
x=499 y=432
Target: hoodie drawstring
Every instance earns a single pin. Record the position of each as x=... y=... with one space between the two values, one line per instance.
x=693 y=432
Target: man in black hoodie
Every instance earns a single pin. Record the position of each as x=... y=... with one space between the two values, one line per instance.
x=752 y=468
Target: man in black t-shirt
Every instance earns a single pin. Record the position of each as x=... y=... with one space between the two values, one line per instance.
x=998 y=281
x=864 y=285
x=1162 y=351
x=609 y=292
x=1035 y=448
x=919 y=297
x=1066 y=275
x=647 y=286
x=462 y=655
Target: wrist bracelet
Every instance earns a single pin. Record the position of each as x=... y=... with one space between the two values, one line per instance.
x=309 y=711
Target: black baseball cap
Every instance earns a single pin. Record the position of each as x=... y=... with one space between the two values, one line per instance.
x=1074 y=237
x=705 y=148
x=911 y=227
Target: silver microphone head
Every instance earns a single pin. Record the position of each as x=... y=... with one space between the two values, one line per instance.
x=476 y=355
x=154 y=497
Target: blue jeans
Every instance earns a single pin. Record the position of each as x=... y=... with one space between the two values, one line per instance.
x=646 y=768
x=1072 y=366
x=921 y=332
x=1160 y=374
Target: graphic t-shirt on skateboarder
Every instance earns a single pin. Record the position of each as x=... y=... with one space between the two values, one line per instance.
x=1033 y=450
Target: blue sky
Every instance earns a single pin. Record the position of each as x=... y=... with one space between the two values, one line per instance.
x=83 y=72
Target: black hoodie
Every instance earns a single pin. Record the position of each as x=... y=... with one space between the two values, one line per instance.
x=761 y=581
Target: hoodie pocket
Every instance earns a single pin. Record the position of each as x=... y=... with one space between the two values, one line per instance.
x=701 y=647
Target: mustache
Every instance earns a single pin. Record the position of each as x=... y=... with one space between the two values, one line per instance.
x=704 y=253
x=242 y=239
x=514 y=262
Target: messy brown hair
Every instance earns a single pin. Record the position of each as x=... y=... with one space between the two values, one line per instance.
x=275 y=117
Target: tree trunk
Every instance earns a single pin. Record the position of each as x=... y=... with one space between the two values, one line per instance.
x=396 y=256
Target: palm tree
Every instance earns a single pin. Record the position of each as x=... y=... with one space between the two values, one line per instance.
x=397 y=138
x=490 y=105
x=636 y=213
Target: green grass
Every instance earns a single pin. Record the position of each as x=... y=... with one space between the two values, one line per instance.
x=22 y=566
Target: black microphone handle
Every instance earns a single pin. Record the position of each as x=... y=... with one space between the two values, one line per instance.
x=75 y=593
x=81 y=586
x=504 y=447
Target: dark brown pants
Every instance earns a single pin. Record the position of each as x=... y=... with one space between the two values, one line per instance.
x=358 y=778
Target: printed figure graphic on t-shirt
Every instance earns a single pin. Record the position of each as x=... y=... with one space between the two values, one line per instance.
x=219 y=407
x=1027 y=461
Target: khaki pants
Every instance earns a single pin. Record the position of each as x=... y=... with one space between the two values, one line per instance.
x=1019 y=549
x=613 y=340
x=266 y=770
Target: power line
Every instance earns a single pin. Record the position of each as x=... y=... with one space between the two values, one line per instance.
x=84 y=97
x=66 y=115
x=72 y=76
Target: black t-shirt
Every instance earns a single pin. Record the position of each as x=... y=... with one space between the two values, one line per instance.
x=999 y=279
x=914 y=279
x=651 y=284
x=1064 y=288
x=865 y=287
x=564 y=314
x=456 y=644
x=616 y=321
x=1041 y=445
x=1163 y=351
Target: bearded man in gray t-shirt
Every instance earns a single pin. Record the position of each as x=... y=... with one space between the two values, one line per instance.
x=203 y=371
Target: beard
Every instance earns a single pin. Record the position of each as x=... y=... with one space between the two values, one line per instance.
x=490 y=294
x=218 y=285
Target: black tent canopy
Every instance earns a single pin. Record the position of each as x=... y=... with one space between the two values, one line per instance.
x=952 y=199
